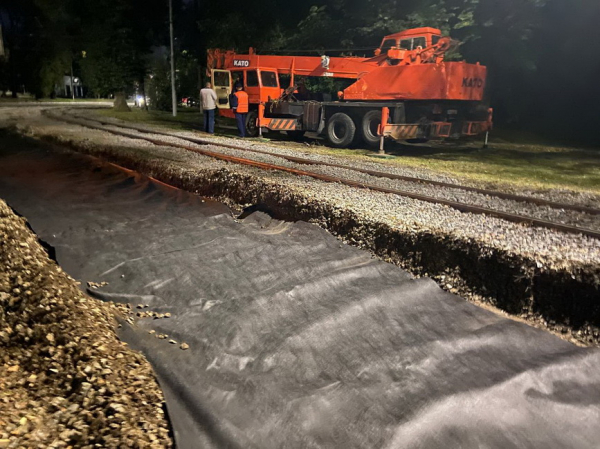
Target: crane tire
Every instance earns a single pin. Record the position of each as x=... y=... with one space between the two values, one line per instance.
x=251 y=128
x=370 y=127
x=340 y=130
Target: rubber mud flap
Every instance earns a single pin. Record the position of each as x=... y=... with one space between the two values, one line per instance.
x=296 y=340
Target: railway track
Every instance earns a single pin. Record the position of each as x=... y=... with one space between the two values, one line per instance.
x=463 y=207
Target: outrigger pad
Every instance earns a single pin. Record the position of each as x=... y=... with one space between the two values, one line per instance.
x=296 y=340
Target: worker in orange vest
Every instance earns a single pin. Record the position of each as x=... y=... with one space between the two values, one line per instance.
x=239 y=104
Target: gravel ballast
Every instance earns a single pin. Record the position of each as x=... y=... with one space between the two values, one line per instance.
x=312 y=152
x=406 y=212
x=66 y=379
x=549 y=278
x=570 y=218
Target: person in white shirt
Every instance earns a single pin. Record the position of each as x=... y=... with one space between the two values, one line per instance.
x=209 y=103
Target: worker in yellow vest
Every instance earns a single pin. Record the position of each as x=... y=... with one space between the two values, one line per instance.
x=239 y=104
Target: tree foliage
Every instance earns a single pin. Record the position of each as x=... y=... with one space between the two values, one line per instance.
x=36 y=44
x=117 y=37
x=538 y=52
x=159 y=82
x=107 y=41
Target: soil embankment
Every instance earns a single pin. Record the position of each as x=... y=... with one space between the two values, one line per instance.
x=550 y=279
x=66 y=379
x=293 y=339
x=561 y=297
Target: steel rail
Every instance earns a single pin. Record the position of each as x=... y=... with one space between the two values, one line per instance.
x=502 y=195
x=267 y=166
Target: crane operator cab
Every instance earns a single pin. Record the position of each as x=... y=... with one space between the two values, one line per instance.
x=395 y=46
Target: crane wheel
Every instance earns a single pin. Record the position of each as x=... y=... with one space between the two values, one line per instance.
x=370 y=127
x=251 y=128
x=340 y=130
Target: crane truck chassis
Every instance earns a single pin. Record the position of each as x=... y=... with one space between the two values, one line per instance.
x=407 y=83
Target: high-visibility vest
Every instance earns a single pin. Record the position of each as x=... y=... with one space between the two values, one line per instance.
x=242 y=97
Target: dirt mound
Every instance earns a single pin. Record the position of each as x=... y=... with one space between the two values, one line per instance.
x=66 y=379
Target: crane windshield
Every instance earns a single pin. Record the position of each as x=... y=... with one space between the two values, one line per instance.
x=251 y=78
x=413 y=43
x=387 y=44
x=269 y=79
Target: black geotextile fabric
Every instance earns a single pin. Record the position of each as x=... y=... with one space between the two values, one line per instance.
x=298 y=341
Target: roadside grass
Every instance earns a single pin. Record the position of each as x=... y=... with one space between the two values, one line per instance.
x=517 y=166
x=82 y=100
x=527 y=166
x=525 y=163
x=29 y=99
x=187 y=118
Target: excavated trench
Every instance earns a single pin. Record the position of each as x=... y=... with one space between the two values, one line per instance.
x=294 y=339
x=563 y=300
x=570 y=298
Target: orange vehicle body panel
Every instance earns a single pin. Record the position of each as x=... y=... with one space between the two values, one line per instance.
x=226 y=113
x=400 y=71
x=260 y=93
x=445 y=81
x=349 y=67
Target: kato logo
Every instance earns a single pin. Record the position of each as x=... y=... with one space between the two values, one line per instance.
x=241 y=63
x=472 y=82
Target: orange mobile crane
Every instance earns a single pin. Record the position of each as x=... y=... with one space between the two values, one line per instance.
x=407 y=85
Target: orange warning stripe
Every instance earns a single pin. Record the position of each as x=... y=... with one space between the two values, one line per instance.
x=409 y=131
x=282 y=124
x=400 y=132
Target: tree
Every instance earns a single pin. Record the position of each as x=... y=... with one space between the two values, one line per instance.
x=564 y=89
x=159 y=81
x=117 y=38
x=37 y=44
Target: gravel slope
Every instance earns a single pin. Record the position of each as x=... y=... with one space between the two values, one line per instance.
x=66 y=379
x=546 y=246
x=310 y=152
x=571 y=218
x=549 y=278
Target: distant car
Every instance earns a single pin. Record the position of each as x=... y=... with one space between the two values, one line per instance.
x=140 y=102
x=190 y=102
